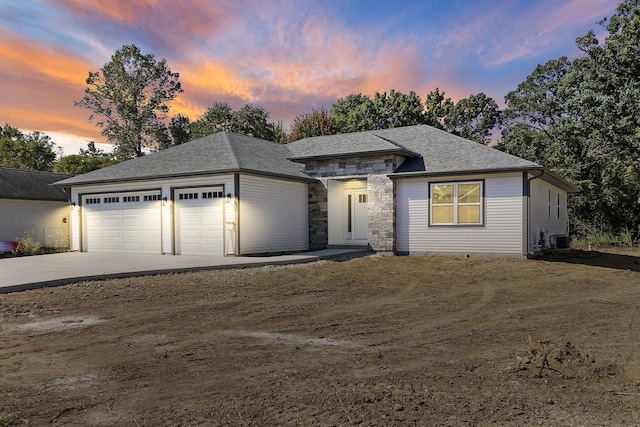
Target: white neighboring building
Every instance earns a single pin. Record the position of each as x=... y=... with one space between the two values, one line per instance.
x=31 y=207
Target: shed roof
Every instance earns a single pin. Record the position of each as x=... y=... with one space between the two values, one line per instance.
x=31 y=185
x=218 y=153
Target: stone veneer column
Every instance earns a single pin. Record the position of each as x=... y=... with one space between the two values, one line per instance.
x=318 y=224
x=381 y=219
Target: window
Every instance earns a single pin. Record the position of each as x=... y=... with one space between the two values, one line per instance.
x=456 y=203
x=211 y=194
x=92 y=201
x=151 y=197
x=112 y=199
x=129 y=199
x=554 y=205
x=188 y=196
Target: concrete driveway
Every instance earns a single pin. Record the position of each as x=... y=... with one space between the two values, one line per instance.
x=23 y=273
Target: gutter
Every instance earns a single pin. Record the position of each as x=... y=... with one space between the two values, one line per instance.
x=418 y=174
x=187 y=174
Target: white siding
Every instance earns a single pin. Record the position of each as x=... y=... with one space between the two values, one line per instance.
x=543 y=215
x=165 y=185
x=500 y=234
x=273 y=215
x=74 y=228
x=41 y=220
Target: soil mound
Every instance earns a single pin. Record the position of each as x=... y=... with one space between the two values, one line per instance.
x=553 y=358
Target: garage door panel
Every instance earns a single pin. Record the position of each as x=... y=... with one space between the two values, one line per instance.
x=133 y=227
x=200 y=224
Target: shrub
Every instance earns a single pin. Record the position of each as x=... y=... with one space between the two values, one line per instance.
x=27 y=247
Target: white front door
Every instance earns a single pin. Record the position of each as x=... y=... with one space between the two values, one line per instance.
x=360 y=215
x=199 y=217
x=356 y=215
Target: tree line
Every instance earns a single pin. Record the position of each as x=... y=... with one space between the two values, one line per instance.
x=579 y=118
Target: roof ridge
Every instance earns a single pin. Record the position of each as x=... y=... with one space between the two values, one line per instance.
x=227 y=140
x=34 y=171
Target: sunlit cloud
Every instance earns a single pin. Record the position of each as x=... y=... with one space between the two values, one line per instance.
x=287 y=56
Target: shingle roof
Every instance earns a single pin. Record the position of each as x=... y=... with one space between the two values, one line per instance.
x=217 y=153
x=344 y=145
x=31 y=185
x=427 y=150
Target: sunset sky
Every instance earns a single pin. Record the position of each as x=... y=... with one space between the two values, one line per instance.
x=286 y=56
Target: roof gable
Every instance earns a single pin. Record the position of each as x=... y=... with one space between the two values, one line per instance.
x=31 y=185
x=426 y=148
x=217 y=153
x=443 y=152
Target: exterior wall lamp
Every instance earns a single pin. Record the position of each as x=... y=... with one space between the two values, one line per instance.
x=164 y=201
x=228 y=198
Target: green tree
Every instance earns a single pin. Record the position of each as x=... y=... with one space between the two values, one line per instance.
x=253 y=121
x=220 y=117
x=279 y=134
x=358 y=112
x=180 y=129
x=397 y=109
x=473 y=118
x=316 y=123
x=437 y=107
x=354 y=113
x=582 y=119
x=86 y=161
x=130 y=98
x=33 y=151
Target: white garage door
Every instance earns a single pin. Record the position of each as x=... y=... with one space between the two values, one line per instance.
x=199 y=221
x=122 y=222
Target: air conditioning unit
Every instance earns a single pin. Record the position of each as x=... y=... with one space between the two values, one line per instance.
x=560 y=242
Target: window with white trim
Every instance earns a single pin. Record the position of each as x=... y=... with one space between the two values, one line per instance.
x=456 y=203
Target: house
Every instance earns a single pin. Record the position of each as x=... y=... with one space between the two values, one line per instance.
x=31 y=207
x=410 y=190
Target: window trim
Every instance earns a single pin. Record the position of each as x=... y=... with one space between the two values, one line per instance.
x=455 y=183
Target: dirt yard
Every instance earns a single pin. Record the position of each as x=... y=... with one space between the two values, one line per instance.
x=379 y=340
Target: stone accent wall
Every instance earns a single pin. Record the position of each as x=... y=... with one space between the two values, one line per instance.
x=351 y=166
x=318 y=224
x=380 y=205
x=381 y=218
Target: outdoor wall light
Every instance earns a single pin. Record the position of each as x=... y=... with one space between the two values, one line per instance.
x=228 y=197
x=164 y=201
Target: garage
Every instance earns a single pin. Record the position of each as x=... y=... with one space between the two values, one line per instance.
x=199 y=221
x=127 y=222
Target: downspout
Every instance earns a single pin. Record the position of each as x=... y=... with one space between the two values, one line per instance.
x=529 y=206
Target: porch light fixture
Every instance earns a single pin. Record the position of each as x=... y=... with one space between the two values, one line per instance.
x=228 y=198
x=164 y=201
x=73 y=205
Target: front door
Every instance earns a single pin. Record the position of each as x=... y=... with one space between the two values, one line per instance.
x=356 y=218
x=360 y=215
